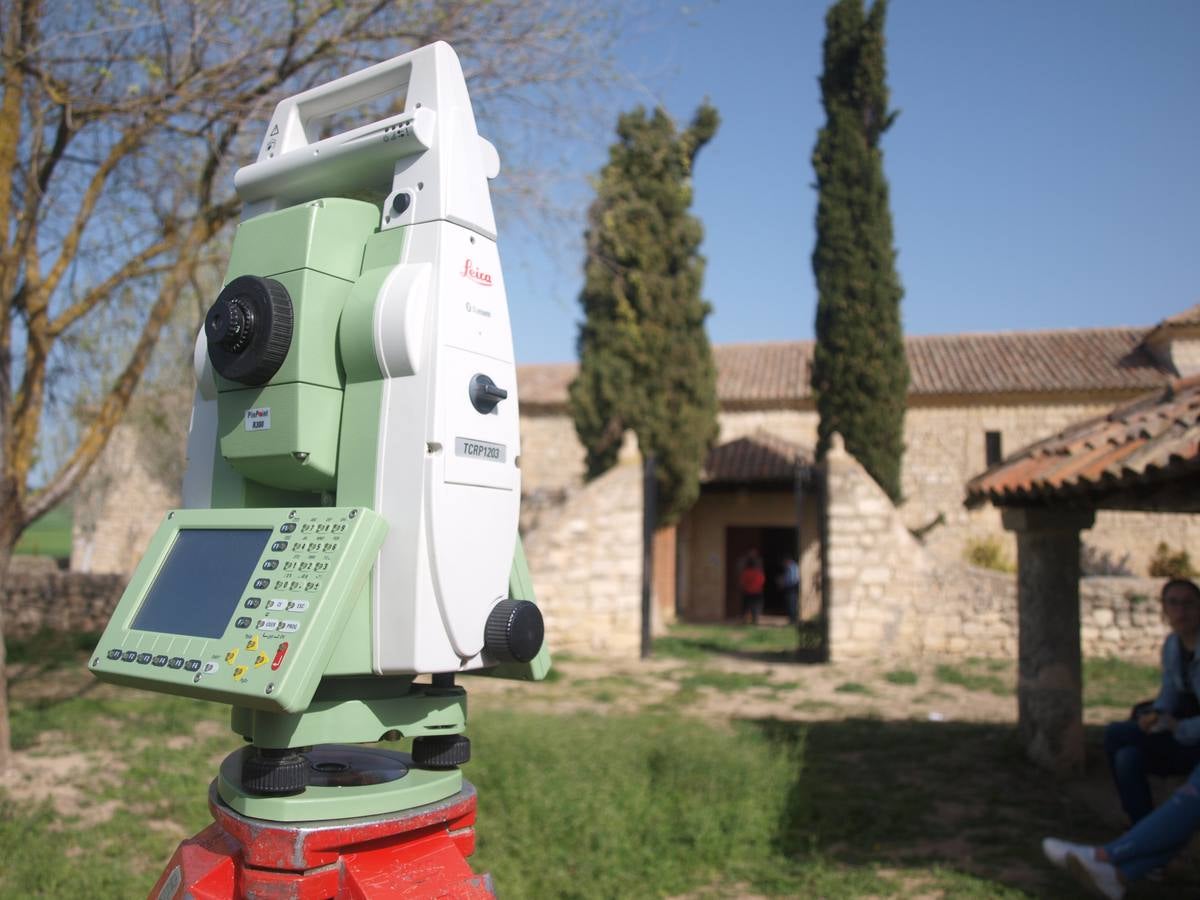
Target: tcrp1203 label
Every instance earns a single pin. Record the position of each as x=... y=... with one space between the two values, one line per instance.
x=473 y=449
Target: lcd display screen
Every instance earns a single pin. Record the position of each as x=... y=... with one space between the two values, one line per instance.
x=199 y=586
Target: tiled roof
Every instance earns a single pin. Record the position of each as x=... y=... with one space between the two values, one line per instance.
x=777 y=373
x=759 y=457
x=1189 y=316
x=1149 y=440
x=1187 y=319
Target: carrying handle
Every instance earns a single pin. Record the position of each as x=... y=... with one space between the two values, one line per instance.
x=292 y=121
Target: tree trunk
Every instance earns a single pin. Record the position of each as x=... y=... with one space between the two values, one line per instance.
x=9 y=513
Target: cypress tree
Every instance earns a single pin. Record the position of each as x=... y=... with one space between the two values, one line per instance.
x=644 y=358
x=859 y=373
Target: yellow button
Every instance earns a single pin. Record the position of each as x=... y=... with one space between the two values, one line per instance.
x=261 y=661
x=252 y=644
x=231 y=655
x=239 y=672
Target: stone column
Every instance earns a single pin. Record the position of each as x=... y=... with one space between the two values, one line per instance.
x=1049 y=679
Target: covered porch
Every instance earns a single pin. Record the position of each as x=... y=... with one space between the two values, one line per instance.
x=1144 y=456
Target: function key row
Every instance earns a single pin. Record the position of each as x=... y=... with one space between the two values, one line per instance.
x=172 y=662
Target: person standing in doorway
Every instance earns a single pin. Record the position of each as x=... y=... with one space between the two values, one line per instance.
x=789 y=583
x=751 y=581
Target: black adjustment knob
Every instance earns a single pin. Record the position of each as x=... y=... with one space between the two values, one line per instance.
x=514 y=631
x=274 y=773
x=249 y=329
x=485 y=394
x=441 y=751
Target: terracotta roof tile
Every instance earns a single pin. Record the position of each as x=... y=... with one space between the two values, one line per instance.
x=759 y=457
x=1143 y=441
x=777 y=373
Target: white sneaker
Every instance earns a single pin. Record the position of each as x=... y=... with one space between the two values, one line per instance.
x=1101 y=877
x=1056 y=851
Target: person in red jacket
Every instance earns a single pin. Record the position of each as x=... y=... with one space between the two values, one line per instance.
x=751 y=582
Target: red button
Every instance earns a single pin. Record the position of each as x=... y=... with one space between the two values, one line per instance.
x=279 y=654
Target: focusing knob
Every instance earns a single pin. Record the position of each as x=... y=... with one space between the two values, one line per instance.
x=249 y=329
x=514 y=631
x=230 y=324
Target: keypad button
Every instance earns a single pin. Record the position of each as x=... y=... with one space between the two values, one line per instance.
x=176 y=662
x=279 y=546
x=277 y=603
x=210 y=667
x=130 y=655
x=252 y=644
x=252 y=602
x=239 y=672
x=160 y=660
x=192 y=665
x=230 y=657
x=289 y=627
x=242 y=622
x=260 y=660
x=271 y=564
x=287 y=527
x=114 y=654
x=144 y=658
x=260 y=583
x=279 y=655
x=297 y=605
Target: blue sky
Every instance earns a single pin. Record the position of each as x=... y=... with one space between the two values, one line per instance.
x=1045 y=167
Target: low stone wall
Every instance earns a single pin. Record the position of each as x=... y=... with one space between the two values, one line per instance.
x=889 y=597
x=58 y=601
x=586 y=561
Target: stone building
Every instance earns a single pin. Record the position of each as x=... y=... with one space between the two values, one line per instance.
x=973 y=400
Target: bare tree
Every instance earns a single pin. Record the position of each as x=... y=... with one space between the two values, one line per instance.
x=119 y=130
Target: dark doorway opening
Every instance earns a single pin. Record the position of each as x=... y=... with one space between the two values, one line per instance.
x=775 y=545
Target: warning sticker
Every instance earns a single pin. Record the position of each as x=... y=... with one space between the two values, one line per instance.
x=258 y=419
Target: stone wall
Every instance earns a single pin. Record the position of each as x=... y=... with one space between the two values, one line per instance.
x=123 y=501
x=944 y=447
x=889 y=597
x=585 y=558
x=551 y=456
x=37 y=600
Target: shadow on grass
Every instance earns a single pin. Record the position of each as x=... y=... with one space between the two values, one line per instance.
x=803 y=655
x=958 y=796
x=774 y=645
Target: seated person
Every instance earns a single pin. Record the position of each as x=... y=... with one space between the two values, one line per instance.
x=1164 y=740
x=1147 y=846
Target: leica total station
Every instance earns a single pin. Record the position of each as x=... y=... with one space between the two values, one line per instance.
x=350 y=502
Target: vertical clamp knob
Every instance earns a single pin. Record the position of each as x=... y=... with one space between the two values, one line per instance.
x=485 y=394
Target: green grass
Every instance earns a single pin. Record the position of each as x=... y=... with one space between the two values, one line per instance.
x=1114 y=682
x=584 y=805
x=853 y=687
x=976 y=675
x=901 y=677
x=48 y=536
x=699 y=642
x=722 y=681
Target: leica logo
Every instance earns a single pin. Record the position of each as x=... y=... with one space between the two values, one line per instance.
x=477 y=275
